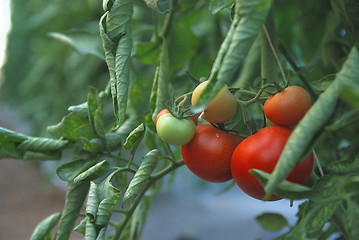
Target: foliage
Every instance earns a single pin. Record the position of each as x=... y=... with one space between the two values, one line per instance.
x=154 y=51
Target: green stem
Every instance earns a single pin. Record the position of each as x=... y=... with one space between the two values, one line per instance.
x=296 y=69
x=268 y=47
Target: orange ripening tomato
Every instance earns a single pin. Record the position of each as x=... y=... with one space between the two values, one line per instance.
x=221 y=109
x=288 y=106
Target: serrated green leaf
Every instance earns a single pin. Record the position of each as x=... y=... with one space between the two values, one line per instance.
x=218 y=5
x=72 y=127
x=272 y=222
x=81 y=41
x=285 y=189
x=135 y=138
x=93 y=172
x=68 y=171
x=45 y=227
x=314 y=120
x=142 y=175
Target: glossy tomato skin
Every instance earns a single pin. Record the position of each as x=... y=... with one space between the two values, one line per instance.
x=221 y=109
x=175 y=131
x=165 y=111
x=262 y=151
x=287 y=107
x=208 y=154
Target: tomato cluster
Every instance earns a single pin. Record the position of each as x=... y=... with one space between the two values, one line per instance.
x=215 y=155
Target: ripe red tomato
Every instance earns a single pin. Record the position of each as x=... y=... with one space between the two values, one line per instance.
x=221 y=109
x=165 y=111
x=287 y=107
x=208 y=154
x=262 y=151
x=175 y=131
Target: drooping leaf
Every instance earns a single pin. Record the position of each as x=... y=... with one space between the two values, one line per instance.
x=45 y=226
x=285 y=189
x=115 y=30
x=75 y=196
x=81 y=41
x=273 y=222
x=142 y=175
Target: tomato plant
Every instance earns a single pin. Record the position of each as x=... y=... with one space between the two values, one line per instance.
x=288 y=106
x=208 y=154
x=141 y=55
x=221 y=109
x=262 y=151
x=175 y=131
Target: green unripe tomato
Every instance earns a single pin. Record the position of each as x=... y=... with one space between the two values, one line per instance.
x=175 y=131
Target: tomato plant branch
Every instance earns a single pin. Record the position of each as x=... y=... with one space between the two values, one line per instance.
x=275 y=55
x=152 y=180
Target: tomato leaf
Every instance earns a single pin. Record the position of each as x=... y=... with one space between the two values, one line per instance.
x=315 y=119
x=160 y=6
x=93 y=172
x=135 y=138
x=115 y=30
x=142 y=175
x=45 y=226
x=72 y=127
x=81 y=41
x=272 y=222
x=285 y=189
x=159 y=94
x=41 y=144
x=102 y=199
x=68 y=171
x=75 y=196
x=218 y=5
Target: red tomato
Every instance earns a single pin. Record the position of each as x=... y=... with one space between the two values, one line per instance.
x=287 y=107
x=262 y=151
x=208 y=154
x=165 y=111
